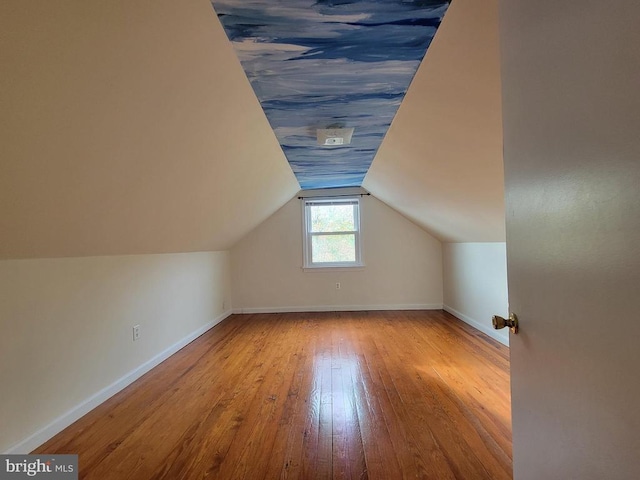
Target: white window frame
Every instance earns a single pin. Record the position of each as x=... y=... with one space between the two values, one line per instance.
x=308 y=235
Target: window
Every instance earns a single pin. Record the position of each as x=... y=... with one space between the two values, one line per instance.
x=332 y=232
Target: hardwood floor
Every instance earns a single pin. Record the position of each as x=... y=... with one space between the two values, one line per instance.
x=378 y=395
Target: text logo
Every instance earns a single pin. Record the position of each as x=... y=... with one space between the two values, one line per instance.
x=52 y=467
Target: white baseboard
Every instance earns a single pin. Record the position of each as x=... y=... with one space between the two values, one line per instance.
x=63 y=421
x=339 y=308
x=501 y=336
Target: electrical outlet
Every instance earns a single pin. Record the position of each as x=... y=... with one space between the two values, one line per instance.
x=136 y=332
x=337 y=285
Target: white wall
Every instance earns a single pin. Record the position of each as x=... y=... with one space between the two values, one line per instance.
x=403 y=266
x=475 y=284
x=67 y=330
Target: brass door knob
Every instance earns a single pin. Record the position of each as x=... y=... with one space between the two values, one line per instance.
x=511 y=322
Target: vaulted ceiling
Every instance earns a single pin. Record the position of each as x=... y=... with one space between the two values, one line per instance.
x=440 y=164
x=319 y=64
x=130 y=127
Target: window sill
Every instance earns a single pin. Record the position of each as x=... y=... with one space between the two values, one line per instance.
x=352 y=268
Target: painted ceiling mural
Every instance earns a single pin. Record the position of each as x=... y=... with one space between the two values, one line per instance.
x=317 y=64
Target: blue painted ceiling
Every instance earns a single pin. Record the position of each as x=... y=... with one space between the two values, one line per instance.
x=330 y=63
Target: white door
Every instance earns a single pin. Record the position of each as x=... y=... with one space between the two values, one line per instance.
x=571 y=102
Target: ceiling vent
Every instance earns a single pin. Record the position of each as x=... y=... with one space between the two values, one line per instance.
x=334 y=136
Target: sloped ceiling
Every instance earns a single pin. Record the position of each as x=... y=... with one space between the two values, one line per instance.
x=128 y=127
x=441 y=162
x=317 y=64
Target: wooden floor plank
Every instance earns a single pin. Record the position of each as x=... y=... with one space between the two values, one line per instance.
x=351 y=395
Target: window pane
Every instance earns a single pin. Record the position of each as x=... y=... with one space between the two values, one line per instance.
x=333 y=248
x=332 y=218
